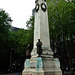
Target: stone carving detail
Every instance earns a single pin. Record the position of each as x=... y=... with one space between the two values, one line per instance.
x=43 y=7
x=36 y=1
x=45 y=0
x=37 y=7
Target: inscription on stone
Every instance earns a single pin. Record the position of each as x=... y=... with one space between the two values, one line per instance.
x=32 y=64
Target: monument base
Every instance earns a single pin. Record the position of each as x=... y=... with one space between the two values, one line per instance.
x=51 y=66
x=32 y=72
x=46 y=72
x=53 y=72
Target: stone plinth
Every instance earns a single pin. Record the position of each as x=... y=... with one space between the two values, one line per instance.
x=50 y=66
x=35 y=67
x=33 y=72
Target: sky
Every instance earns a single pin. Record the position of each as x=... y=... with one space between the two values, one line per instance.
x=19 y=11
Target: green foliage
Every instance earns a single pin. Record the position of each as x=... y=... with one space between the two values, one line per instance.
x=61 y=16
x=24 y=37
x=61 y=19
x=17 y=41
x=5 y=22
x=20 y=39
x=30 y=23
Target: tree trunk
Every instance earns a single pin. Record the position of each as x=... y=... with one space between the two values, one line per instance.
x=69 y=56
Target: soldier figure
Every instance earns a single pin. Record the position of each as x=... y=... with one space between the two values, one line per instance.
x=28 y=55
x=39 y=48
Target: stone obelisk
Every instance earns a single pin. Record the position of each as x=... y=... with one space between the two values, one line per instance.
x=41 y=31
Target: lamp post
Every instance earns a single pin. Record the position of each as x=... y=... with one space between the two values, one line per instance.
x=11 y=60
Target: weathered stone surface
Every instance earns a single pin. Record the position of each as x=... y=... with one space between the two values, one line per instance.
x=41 y=29
x=27 y=64
x=33 y=72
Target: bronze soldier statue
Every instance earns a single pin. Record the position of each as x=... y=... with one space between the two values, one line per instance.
x=39 y=48
x=28 y=53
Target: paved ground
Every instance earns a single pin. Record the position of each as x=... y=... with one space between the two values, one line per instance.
x=12 y=74
x=68 y=73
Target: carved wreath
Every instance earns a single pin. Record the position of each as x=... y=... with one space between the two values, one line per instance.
x=45 y=0
x=43 y=7
x=38 y=0
x=37 y=7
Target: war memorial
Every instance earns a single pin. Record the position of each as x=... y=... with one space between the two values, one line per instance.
x=42 y=61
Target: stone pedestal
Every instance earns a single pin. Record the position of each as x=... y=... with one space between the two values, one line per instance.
x=32 y=72
x=50 y=66
x=35 y=68
x=51 y=70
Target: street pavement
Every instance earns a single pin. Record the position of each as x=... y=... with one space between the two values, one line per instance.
x=65 y=73
x=68 y=73
x=12 y=74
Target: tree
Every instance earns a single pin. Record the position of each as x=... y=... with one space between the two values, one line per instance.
x=17 y=41
x=5 y=23
x=61 y=20
x=20 y=39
